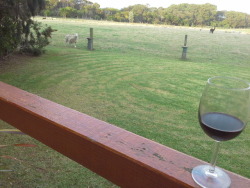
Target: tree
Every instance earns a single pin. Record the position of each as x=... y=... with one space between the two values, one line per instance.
x=190 y=14
x=139 y=13
x=207 y=13
x=18 y=30
x=235 y=19
x=109 y=13
x=91 y=10
x=172 y=15
x=67 y=11
x=131 y=17
x=160 y=12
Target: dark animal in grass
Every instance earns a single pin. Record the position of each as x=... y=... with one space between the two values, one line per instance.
x=212 y=30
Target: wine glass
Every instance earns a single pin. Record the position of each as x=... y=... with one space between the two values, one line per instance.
x=223 y=114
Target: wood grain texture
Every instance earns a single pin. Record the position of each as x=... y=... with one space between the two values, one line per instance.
x=120 y=156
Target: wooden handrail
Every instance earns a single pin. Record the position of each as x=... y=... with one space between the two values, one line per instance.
x=120 y=156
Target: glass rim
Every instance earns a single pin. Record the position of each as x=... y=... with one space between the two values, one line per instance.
x=209 y=81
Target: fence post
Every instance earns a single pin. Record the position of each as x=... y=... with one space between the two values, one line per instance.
x=184 y=49
x=90 y=39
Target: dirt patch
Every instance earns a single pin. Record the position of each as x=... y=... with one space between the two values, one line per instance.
x=12 y=61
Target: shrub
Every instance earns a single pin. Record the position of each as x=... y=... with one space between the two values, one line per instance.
x=36 y=38
x=18 y=31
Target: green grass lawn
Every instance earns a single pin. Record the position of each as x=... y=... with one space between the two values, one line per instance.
x=134 y=79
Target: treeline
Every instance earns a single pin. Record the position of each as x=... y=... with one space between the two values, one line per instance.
x=181 y=15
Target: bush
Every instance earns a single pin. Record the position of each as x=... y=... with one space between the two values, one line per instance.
x=36 y=39
x=9 y=40
x=18 y=31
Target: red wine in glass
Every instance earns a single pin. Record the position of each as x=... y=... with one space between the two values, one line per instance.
x=220 y=126
x=223 y=115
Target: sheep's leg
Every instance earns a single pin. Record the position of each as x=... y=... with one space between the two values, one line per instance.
x=66 y=42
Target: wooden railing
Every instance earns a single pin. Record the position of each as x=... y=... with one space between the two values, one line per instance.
x=120 y=156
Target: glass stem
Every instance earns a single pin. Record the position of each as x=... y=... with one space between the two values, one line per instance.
x=214 y=156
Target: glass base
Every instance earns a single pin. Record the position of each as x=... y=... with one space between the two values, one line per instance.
x=206 y=179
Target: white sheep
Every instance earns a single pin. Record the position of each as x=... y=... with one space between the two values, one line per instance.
x=71 y=39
